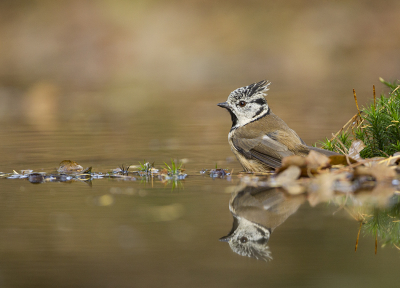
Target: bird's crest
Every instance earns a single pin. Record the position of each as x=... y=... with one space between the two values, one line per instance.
x=251 y=90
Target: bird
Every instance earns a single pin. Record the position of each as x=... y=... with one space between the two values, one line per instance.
x=259 y=138
x=256 y=212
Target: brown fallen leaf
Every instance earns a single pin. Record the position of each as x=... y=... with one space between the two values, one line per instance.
x=355 y=149
x=341 y=160
x=374 y=161
x=316 y=160
x=294 y=160
x=69 y=166
x=309 y=165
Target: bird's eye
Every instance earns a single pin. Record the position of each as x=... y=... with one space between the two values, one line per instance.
x=243 y=239
x=242 y=103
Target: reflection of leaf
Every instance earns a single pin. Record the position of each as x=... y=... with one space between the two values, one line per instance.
x=294 y=188
x=355 y=149
x=88 y=170
x=379 y=172
x=287 y=179
x=321 y=188
x=289 y=175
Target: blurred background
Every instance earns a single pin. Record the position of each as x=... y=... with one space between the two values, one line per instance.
x=106 y=83
x=159 y=67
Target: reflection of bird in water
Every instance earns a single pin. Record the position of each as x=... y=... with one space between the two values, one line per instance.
x=256 y=213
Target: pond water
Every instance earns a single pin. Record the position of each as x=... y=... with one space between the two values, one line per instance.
x=116 y=233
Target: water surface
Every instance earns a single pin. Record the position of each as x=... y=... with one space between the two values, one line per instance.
x=113 y=233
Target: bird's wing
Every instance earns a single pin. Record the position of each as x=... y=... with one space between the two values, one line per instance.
x=263 y=148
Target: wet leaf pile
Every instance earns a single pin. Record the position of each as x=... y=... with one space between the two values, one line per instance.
x=322 y=178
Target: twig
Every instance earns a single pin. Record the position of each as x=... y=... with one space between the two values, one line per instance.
x=389 y=159
x=352 y=119
x=344 y=147
x=384 y=153
x=373 y=89
x=396 y=89
x=355 y=98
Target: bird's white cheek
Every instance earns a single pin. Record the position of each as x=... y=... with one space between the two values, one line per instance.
x=243 y=121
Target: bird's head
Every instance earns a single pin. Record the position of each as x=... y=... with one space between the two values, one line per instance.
x=247 y=104
x=249 y=239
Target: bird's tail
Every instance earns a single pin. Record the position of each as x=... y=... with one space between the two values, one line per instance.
x=323 y=151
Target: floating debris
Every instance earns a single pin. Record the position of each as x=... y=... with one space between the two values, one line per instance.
x=143 y=170
x=69 y=171
x=36 y=178
x=124 y=170
x=217 y=173
x=69 y=166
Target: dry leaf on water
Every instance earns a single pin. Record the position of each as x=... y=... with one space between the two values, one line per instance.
x=374 y=161
x=341 y=160
x=308 y=165
x=317 y=160
x=69 y=166
x=294 y=160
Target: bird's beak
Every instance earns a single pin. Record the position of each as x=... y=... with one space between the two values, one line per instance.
x=225 y=238
x=224 y=105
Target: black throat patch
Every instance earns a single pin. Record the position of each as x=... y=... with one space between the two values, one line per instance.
x=234 y=119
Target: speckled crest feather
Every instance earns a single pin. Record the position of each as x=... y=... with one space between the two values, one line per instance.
x=251 y=90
